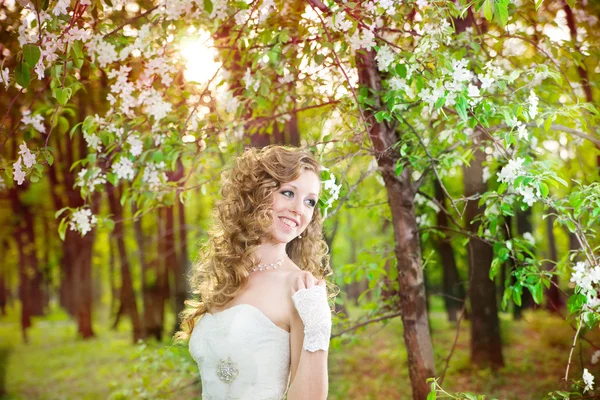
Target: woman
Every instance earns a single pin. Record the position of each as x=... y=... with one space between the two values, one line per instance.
x=262 y=324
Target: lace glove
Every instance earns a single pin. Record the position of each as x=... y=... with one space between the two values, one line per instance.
x=315 y=314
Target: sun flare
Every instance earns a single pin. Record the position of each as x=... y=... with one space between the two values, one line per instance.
x=200 y=55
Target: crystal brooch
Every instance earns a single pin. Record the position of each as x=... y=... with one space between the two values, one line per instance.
x=227 y=370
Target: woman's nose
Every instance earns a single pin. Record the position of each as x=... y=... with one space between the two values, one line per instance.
x=297 y=206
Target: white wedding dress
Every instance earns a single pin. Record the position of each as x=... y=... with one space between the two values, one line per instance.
x=241 y=354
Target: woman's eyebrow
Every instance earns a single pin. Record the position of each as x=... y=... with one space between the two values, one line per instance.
x=314 y=194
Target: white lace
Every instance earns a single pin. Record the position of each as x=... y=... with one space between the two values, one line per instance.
x=315 y=313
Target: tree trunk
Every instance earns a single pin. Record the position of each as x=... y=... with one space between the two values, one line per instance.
x=486 y=346
x=400 y=193
x=127 y=295
x=454 y=292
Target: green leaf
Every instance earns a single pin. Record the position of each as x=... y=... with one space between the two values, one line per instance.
x=571 y=3
x=73 y=129
x=399 y=167
x=109 y=223
x=538 y=3
x=62 y=229
x=516 y=294
x=49 y=158
x=22 y=74
x=461 y=107
x=32 y=54
x=501 y=10
x=62 y=95
x=575 y=302
x=544 y=189
x=208 y=6
x=319 y=59
x=432 y=395
x=591 y=319
x=571 y=226
x=62 y=210
x=488 y=9
x=537 y=292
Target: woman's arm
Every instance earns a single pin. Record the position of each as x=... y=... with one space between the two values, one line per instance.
x=309 y=369
x=309 y=377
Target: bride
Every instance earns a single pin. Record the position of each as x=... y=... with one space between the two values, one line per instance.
x=262 y=325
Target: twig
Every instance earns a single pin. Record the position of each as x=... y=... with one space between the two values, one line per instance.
x=579 y=324
x=384 y=317
x=118 y=28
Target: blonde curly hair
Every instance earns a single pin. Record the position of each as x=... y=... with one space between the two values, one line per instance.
x=241 y=218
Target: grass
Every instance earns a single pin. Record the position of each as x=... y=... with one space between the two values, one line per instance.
x=373 y=365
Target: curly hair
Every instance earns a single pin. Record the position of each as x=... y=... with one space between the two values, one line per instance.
x=241 y=218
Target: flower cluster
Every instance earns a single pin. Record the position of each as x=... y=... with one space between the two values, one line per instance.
x=586 y=277
x=82 y=221
x=588 y=380
x=90 y=179
x=330 y=192
x=511 y=172
x=28 y=159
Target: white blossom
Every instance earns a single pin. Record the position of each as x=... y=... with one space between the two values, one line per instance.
x=522 y=131
x=533 y=104
x=40 y=69
x=136 y=145
x=486 y=174
x=339 y=22
x=106 y=52
x=596 y=357
x=400 y=85
x=474 y=94
x=95 y=177
x=250 y=82
x=153 y=175
x=362 y=39
x=581 y=277
x=512 y=170
x=36 y=121
x=241 y=16
x=82 y=221
x=61 y=7
x=588 y=379
x=93 y=141
x=486 y=81
x=460 y=72
x=156 y=106
x=4 y=77
x=529 y=237
x=385 y=57
x=18 y=174
x=124 y=169
x=422 y=4
x=388 y=5
x=528 y=194
x=28 y=156
x=2 y=184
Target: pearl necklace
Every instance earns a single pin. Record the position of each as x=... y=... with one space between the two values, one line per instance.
x=262 y=267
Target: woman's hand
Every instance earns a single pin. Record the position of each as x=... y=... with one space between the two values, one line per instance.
x=310 y=299
x=306 y=280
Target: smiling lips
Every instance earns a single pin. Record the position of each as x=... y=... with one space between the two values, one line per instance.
x=289 y=222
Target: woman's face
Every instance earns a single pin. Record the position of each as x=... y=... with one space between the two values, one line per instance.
x=293 y=206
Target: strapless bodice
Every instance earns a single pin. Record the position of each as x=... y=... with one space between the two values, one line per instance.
x=241 y=354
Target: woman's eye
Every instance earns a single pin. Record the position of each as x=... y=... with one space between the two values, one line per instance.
x=312 y=203
x=287 y=193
